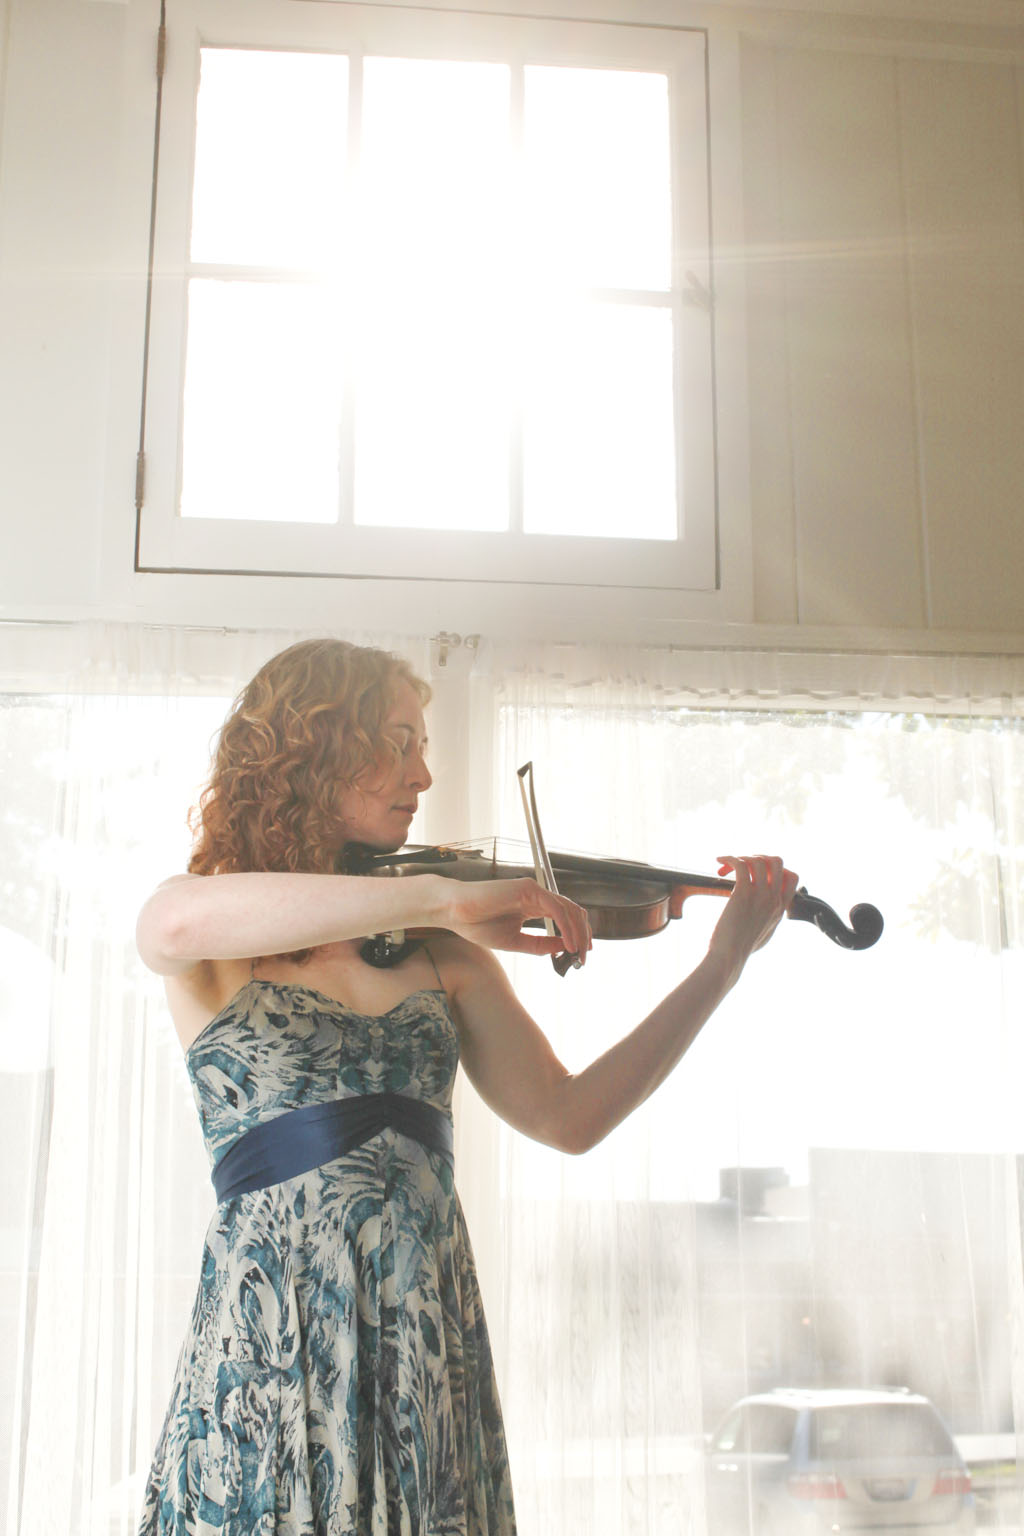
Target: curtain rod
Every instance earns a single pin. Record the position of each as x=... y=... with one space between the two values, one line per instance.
x=752 y=647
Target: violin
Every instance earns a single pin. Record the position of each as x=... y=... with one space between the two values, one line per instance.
x=623 y=899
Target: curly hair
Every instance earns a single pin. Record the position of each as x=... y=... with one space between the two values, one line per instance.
x=303 y=731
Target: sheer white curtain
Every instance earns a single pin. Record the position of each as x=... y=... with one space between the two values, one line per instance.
x=862 y=1106
x=105 y=743
x=628 y=1302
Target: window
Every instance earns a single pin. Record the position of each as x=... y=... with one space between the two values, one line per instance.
x=878 y=1431
x=885 y=1083
x=733 y=1435
x=431 y=299
x=771 y=1429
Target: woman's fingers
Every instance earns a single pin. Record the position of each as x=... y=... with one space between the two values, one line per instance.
x=492 y=913
x=761 y=870
x=570 y=919
x=763 y=891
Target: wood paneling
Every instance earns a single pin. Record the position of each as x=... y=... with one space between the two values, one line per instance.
x=965 y=229
x=771 y=435
x=886 y=332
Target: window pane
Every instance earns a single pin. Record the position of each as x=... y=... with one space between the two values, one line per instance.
x=270 y=157
x=597 y=184
x=599 y=439
x=432 y=417
x=771 y=1429
x=262 y=402
x=434 y=173
x=878 y=1431
x=470 y=220
x=432 y=409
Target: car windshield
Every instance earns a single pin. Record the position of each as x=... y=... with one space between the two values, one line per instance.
x=758 y=1428
x=877 y=1432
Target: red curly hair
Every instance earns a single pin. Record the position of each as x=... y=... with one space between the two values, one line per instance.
x=305 y=728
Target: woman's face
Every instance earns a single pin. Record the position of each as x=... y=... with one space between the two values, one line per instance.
x=377 y=810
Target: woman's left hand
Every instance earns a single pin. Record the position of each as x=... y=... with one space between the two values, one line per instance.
x=763 y=893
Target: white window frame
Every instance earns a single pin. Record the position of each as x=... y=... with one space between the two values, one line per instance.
x=166 y=542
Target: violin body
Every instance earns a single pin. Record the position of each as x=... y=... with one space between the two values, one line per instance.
x=623 y=899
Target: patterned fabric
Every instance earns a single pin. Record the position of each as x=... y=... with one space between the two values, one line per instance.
x=336 y=1378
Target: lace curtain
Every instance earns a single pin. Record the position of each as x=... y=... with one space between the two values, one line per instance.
x=825 y=1190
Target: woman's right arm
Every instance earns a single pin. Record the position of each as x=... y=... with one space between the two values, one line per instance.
x=192 y=918
x=232 y=917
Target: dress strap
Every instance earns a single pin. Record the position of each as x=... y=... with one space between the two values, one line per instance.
x=433 y=967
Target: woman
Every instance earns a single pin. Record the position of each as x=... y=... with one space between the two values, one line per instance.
x=336 y=1377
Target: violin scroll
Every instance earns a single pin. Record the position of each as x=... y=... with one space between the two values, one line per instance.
x=864 y=928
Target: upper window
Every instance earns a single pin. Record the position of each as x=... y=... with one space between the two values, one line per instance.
x=431 y=299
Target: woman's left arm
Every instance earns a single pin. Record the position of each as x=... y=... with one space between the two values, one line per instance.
x=516 y=1071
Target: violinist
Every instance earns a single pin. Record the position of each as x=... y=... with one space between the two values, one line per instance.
x=336 y=1374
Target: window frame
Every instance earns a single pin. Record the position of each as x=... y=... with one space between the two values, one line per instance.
x=167 y=542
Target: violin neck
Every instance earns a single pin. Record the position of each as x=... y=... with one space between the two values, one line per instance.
x=628 y=870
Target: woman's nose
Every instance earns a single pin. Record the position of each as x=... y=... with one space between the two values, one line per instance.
x=420 y=776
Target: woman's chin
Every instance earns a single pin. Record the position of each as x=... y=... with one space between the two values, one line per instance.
x=390 y=844
x=370 y=843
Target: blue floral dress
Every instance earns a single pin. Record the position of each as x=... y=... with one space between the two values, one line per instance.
x=336 y=1378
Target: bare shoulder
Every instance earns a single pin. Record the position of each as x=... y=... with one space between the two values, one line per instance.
x=464 y=966
x=197 y=995
x=475 y=981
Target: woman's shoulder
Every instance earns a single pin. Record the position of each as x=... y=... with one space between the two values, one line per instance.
x=461 y=964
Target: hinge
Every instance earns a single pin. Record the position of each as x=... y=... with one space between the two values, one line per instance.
x=140 y=478
x=161 y=50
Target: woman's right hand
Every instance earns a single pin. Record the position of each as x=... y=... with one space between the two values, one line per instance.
x=491 y=913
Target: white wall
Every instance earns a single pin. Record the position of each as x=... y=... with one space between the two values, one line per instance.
x=885 y=229
x=869 y=227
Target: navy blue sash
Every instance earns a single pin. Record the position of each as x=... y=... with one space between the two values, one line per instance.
x=314 y=1134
